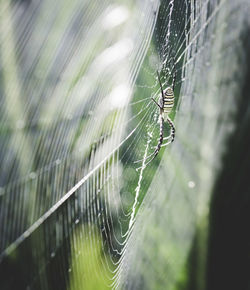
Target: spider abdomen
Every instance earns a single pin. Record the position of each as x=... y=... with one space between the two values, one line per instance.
x=168 y=100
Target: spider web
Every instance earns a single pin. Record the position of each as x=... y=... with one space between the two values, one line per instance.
x=77 y=78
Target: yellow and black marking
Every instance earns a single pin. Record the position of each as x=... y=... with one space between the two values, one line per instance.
x=168 y=100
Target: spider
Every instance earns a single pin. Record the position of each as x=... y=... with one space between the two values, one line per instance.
x=165 y=105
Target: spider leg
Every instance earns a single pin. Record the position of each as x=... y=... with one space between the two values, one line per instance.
x=171 y=124
x=164 y=139
x=172 y=133
x=156 y=103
